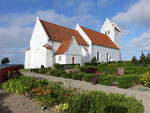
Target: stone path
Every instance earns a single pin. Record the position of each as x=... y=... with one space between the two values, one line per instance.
x=141 y=96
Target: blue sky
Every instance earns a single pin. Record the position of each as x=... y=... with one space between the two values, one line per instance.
x=17 y=19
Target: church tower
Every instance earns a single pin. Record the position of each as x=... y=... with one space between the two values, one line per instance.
x=112 y=30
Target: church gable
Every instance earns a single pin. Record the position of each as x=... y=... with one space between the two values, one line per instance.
x=73 y=47
x=69 y=47
x=39 y=36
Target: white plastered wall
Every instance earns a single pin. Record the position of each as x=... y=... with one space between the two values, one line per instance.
x=112 y=30
x=39 y=36
x=114 y=54
x=38 y=55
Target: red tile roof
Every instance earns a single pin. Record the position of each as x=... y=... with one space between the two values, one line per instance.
x=63 y=47
x=47 y=46
x=99 y=38
x=60 y=33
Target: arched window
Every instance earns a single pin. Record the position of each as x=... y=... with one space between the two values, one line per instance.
x=107 y=57
x=98 y=56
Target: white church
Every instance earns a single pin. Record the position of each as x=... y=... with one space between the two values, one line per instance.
x=51 y=43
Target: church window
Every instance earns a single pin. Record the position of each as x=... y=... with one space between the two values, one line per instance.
x=98 y=56
x=59 y=58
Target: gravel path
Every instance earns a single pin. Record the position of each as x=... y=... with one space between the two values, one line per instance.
x=141 y=96
x=12 y=103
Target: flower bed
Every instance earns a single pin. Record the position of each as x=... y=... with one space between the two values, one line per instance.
x=72 y=101
x=125 y=81
x=9 y=72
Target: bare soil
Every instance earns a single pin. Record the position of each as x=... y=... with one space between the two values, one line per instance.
x=12 y=103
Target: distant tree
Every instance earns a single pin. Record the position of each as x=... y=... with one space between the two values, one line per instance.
x=148 y=58
x=134 y=60
x=142 y=59
x=5 y=60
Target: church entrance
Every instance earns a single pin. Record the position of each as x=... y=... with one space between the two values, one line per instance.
x=73 y=59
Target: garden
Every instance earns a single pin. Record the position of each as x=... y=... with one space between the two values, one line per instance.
x=67 y=100
x=102 y=73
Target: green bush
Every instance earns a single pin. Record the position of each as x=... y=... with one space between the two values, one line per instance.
x=88 y=77
x=78 y=76
x=67 y=75
x=107 y=80
x=48 y=93
x=86 y=68
x=18 y=86
x=99 y=102
x=127 y=81
x=22 y=84
x=145 y=79
x=56 y=72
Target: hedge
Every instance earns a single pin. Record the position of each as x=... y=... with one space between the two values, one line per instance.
x=100 y=102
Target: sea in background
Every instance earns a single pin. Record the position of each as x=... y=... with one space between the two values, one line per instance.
x=8 y=65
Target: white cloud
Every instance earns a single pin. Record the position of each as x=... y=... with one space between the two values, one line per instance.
x=136 y=17
x=16 y=29
x=138 y=13
x=142 y=42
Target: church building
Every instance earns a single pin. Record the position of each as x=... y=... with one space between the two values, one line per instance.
x=55 y=44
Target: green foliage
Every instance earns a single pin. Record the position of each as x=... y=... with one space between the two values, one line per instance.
x=86 y=68
x=56 y=72
x=66 y=66
x=50 y=94
x=88 y=77
x=145 y=79
x=142 y=59
x=77 y=76
x=93 y=60
x=18 y=86
x=128 y=81
x=107 y=80
x=99 y=102
x=5 y=60
x=67 y=75
x=134 y=60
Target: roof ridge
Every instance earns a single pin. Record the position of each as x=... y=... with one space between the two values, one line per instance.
x=104 y=41
x=92 y=30
x=57 y=25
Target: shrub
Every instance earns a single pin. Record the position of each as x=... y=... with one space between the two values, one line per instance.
x=88 y=77
x=88 y=69
x=78 y=76
x=94 y=61
x=18 y=86
x=56 y=72
x=145 y=79
x=9 y=72
x=107 y=80
x=67 y=75
x=128 y=81
x=99 y=102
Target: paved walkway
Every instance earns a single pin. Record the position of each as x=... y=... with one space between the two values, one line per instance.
x=142 y=96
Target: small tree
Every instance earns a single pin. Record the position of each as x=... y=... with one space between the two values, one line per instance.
x=148 y=58
x=142 y=59
x=134 y=60
x=5 y=60
x=93 y=60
